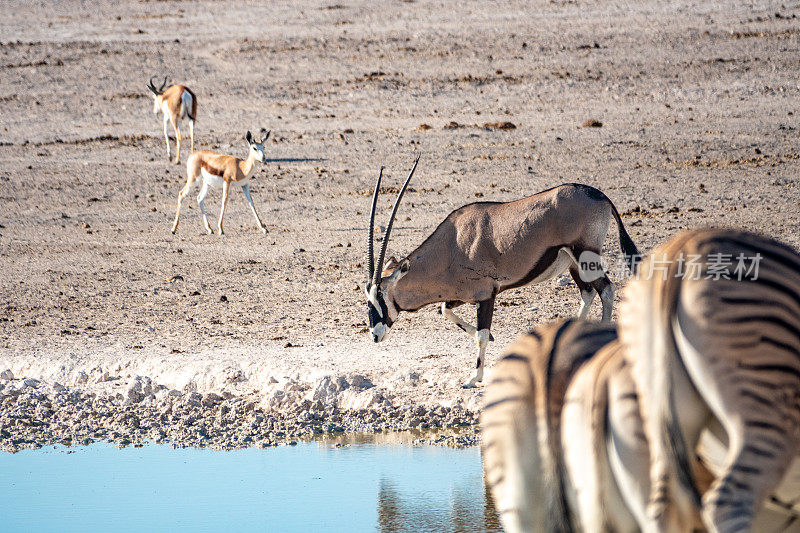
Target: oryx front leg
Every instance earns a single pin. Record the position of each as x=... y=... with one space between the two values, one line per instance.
x=201 y=201
x=246 y=191
x=447 y=312
x=226 y=188
x=482 y=336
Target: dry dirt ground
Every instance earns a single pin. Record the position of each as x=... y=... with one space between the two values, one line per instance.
x=699 y=109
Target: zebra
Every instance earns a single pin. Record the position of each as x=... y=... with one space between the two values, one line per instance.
x=564 y=448
x=715 y=347
x=521 y=424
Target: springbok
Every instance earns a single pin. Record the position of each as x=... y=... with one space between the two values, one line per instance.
x=220 y=171
x=174 y=103
x=485 y=248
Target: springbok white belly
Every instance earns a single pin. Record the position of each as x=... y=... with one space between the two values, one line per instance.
x=212 y=180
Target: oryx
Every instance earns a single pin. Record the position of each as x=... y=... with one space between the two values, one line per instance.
x=484 y=248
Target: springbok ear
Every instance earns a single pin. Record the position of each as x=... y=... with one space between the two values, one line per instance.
x=249 y=137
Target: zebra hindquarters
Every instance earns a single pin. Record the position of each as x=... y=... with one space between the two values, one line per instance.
x=521 y=419
x=512 y=459
x=740 y=342
x=591 y=439
x=673 y=503
x=726 y=345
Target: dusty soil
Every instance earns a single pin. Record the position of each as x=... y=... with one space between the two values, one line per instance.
x=684 y=114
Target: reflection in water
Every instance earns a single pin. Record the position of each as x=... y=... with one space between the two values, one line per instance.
x=316 y=486
x=389 y=519
x=417 y=513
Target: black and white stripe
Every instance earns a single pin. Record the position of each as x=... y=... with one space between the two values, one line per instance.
x=718 y=354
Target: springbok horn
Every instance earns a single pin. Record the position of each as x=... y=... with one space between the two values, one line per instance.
x=161 y=89
x=377 y=274
x=151 y=86
x=370 y=250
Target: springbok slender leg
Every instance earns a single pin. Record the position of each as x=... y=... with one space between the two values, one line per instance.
x=246 y=191
x=226 y=189
x=184 y=191
x=482 y=335
x=166 y=136
x=201 y=201
x=177 y=141
x=191 y=133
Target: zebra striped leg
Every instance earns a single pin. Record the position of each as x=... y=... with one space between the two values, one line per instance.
x=761 y=428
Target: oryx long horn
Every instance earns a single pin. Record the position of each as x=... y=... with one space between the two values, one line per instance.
x=370 y=250
x=379 y=268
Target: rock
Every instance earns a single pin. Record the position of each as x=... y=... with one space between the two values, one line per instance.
x=30 y=382
x=360 y=382
x=141 y=388
x=82 y=377
x=424 y=127
x=500 y=126
x=7 y=375
x=211 y=399
x=592 y=123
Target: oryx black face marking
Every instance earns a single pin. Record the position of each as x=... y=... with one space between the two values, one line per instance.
x=380 y=314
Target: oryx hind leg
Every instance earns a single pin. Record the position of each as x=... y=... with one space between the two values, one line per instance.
x=587 y=291
x=605 y=288
x=591 y=280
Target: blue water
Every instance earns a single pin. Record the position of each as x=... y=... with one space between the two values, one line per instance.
x=308 y=487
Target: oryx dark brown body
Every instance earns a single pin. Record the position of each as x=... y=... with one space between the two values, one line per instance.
x=484 y=248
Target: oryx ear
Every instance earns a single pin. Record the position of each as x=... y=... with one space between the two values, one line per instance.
x=389 y=267
x=248 y=137
x=391 y=263
x=397 y=270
